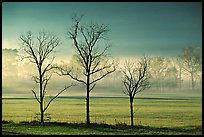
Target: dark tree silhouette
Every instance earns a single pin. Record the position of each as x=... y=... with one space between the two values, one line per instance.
x=93 y=60
x=135 y=80
x=37 y=50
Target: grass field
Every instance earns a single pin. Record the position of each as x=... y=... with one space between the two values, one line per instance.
x=53 y=128
x=165 y=111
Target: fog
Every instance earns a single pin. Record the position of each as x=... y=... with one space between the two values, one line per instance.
x=17 y=80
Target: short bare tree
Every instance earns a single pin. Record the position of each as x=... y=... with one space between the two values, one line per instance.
x=37 y=50
x=92 y=60
x=135 y=79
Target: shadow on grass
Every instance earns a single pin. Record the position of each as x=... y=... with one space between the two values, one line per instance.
x=10 y=133
x=106 y=129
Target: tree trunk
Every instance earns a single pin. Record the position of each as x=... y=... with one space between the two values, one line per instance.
x=180 y=80
x=41 y=104
x=131 y=110
x=41 y=114
x=87 y=101
x=192 y=81
x=41 y=96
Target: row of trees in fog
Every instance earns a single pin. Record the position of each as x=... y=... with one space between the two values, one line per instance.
x=92 y=63
x=165 y=72
x=172 y=72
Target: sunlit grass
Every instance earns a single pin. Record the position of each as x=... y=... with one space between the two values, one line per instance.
x=148 y=112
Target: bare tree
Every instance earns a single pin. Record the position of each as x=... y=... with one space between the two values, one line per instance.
x=158 y=67
x=180 y=68
x=135 y=80
x=37 y=50
x=192 y=62
x=93 y=61
x=171 y=79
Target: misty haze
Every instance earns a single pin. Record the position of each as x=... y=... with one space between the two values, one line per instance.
x=102 y=68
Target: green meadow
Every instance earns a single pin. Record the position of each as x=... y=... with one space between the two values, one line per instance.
x=150 y=110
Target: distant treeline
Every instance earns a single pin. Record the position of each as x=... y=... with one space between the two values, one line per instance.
x=165 y=72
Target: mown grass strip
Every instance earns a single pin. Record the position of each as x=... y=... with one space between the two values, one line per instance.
x=57 y=128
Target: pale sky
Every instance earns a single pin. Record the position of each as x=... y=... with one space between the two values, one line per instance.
x=136 y=28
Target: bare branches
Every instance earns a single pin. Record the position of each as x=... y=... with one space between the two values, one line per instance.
x=37 y=50
x=36 y=79
x=27 y=42
x=92 y=87
x=57 y=96
x=47 y=44
x=93 y=33
x=61 y=70
x=135 y=78
x=35 y=96
x=48 y=67
x=93 y=62
x=40 y=49
x=45 y=82
x=103 y=75
x=191 y=59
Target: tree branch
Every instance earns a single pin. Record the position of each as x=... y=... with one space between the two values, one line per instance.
x=92 y=87
x=108 y=72
x=36 y=96
x=67 y=72
x=47 y=67
x=57 y=96
x=45 y=85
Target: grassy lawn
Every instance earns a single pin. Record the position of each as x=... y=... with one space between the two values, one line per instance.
x=153 y=115
x=93 y=129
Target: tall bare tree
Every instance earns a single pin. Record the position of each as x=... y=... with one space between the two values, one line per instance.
x=38 y=50
x=192 y=62
x=180 y=68
x=158 y=67
x=91 y=58
x=171 y=79
x=135 y=80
